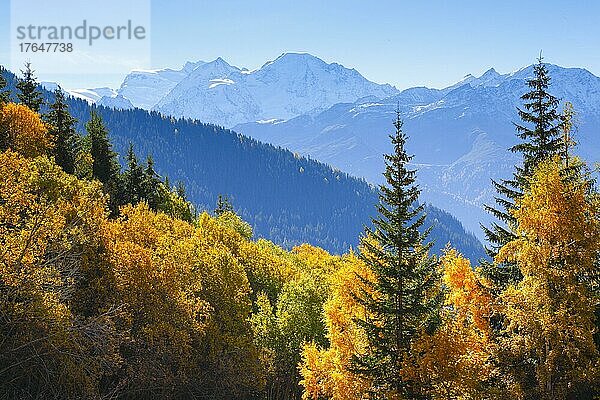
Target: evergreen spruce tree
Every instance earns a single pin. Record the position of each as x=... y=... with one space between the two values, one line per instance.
x=180 y=190
x=541 y=138
x=223 y=205
x=4 y=94
x=540 y=134
x=62 y=127
x=105 y=166
x=29 y=93
x=4 y=98
x=151 y=185
x=133 y=179
x=402 y=301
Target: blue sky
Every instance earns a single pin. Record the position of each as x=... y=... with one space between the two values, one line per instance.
x=405 y=43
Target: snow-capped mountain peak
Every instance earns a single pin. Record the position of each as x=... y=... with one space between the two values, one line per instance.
x=142 y=88
x=488 y=79
x=145 y=88
x=220 y=63
x=490 y=72
x=294 y=59
x=288 y=86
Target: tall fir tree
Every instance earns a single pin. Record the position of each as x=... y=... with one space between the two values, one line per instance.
x=140 y=182
x=402 y=300
x=540 y=134
x=105 y=165
x=180 y=190
x=133 y=179
x=62 y=128
x=540 y=130
x=4 y=94
x=29 y=93
x=4 y=99
x=223 y=205
x=151 y=184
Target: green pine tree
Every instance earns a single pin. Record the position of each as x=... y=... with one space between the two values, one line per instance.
x=62 y=127
x=105 y=166
x=4 y=94
x=540 y=134
x=180 y=190
x=133 y=179
x=29 y=94
x=223 y=205
x=402 y=303
x=4 y=98
x=151 y=185
x=541 y=137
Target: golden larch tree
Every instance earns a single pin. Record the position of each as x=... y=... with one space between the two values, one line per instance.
x=23 y=131
x=550 y=313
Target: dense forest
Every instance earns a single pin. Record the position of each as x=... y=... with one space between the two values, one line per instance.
x=287 y=199
x=113 y=286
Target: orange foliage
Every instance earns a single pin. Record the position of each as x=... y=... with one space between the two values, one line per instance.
x=467 y=293
x=452 y=363
x=327 y=372
x=47 y=220
x=24 y=130
x=550 y=313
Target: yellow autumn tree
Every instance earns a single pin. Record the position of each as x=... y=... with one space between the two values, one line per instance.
x=268 y=267
x=455 y=361
x=47 y=221
x=283 y=324
x=152 y=258
x=23 y=131
x=327 y=372
x=231 y=356
x=550 y=313
x=188 y=303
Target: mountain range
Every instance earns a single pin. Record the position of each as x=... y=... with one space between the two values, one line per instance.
x=459 y=134
x=217 y=92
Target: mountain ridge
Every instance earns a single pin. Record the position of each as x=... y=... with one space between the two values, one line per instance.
x=292 y=84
